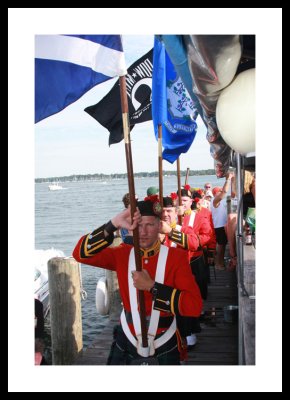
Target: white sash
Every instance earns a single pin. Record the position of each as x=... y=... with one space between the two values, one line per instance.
x=155 y=314
x=191 y=219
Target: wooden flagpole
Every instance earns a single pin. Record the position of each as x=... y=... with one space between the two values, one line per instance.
x=126 y=128
x=179 y=189
x=186 y=176
x=160 y=169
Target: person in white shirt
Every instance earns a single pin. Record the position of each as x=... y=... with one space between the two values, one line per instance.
x=206 y=201
x=219 y=216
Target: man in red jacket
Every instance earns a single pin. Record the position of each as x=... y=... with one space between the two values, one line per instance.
x=196 y=233
x=169 y=286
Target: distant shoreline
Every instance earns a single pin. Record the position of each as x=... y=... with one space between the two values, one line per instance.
x=99 y=177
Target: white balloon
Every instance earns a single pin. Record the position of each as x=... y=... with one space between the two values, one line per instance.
x=235 y=113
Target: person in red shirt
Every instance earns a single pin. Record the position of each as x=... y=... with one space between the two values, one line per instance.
x=169 y=286
x=195 y=235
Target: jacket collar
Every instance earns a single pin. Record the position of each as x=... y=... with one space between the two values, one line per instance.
x=152 y=251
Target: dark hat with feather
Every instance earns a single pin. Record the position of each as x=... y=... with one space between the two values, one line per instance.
x=196 y=196
x=170 y=201
x=150 y=206
x=185 y=191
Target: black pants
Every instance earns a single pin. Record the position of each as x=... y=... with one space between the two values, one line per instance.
x=201 y=273
x=124 y=353
x=189 y=325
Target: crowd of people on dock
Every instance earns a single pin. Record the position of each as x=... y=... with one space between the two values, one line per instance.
x=179 y=239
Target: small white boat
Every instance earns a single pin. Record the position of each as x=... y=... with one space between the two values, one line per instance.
x=55 y=186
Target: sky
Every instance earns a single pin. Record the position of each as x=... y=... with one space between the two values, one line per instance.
x=72 y=142
x=24 y=145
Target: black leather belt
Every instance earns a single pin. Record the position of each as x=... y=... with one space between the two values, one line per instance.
x=164 y=322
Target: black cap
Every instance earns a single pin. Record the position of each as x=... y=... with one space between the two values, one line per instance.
x=149 y=208
x=168 y=202
x=185 y=191
x=196 y=194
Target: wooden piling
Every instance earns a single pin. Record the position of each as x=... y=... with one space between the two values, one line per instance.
x=65 y=310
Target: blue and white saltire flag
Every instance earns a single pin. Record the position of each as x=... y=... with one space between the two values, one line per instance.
x=67 y=66
x=171 y=106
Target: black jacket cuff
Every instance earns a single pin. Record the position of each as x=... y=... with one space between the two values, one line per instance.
x=166 y=298
x=95 y=242
x=179 y=237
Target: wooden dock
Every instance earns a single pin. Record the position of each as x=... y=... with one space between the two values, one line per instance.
x=217 y=343
x=98 y=353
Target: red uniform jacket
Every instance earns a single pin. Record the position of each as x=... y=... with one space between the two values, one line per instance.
x=179 y=295
x=195 y=238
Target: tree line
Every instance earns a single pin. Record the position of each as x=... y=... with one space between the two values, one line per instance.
x=93 y=177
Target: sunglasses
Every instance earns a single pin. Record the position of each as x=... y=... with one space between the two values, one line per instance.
x=208 y=187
